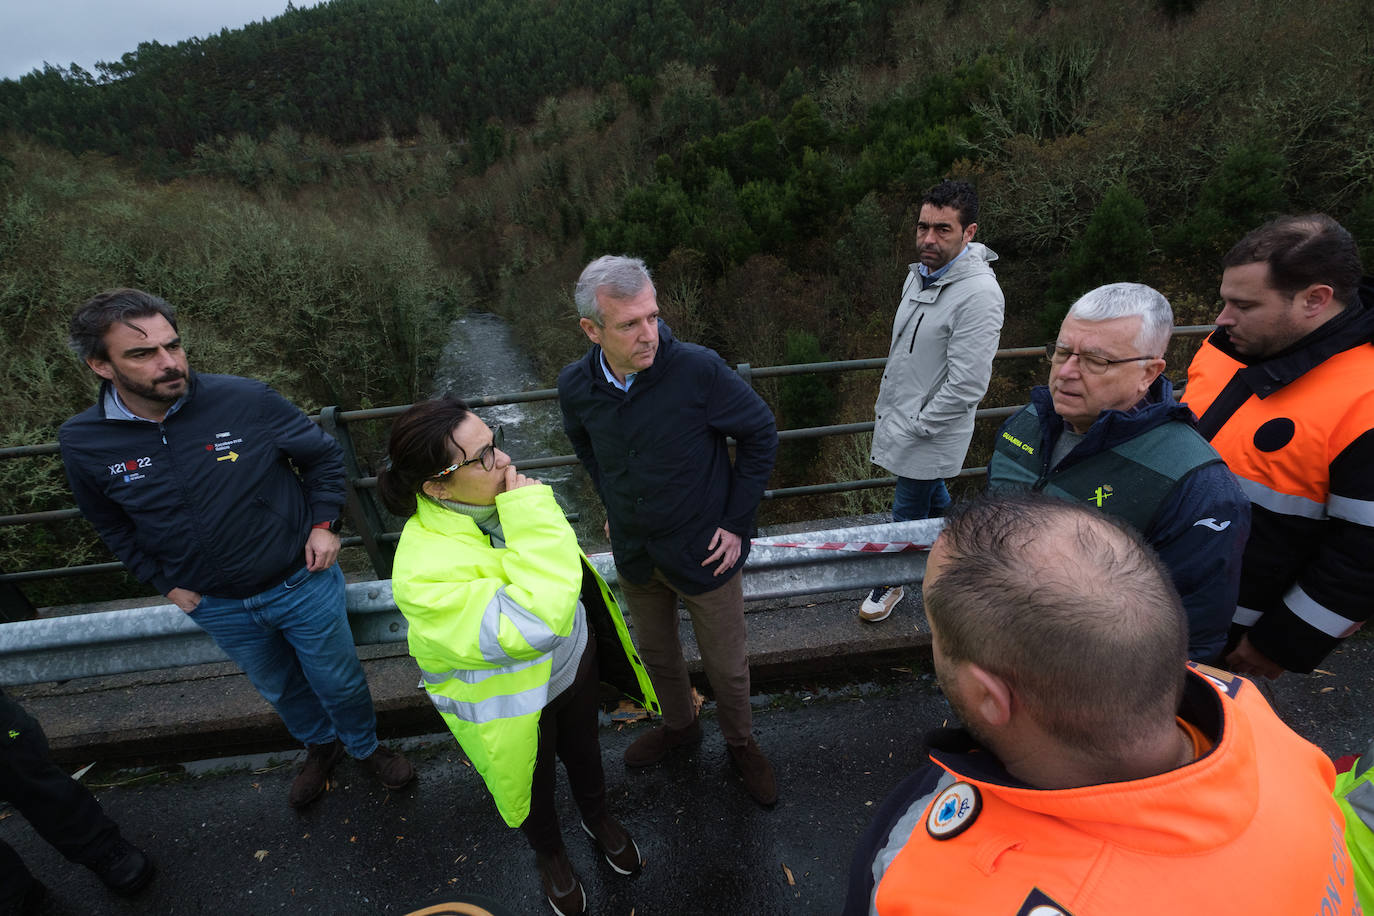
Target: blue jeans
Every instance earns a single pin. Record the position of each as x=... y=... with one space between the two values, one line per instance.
x=293 y=642
x=917 y=499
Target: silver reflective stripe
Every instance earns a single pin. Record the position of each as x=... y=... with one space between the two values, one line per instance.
x=1359 y=511
x=1366 y=760
x=1317 y=615
x=901 y=832
x=505 y=706
x=534 y=630
x=478 y=675
x=1282 y=503
x=1246 y=617
x=1361 y=799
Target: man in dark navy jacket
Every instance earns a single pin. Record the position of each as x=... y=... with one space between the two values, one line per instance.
x=648 y=416
x=1107 y=432
x=225 y=498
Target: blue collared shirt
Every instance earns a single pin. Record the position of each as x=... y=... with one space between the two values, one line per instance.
x=932 y=275
x=116 y=409
x=610 y=376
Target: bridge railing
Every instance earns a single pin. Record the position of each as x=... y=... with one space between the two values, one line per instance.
x=143 y=639
x=361 y=512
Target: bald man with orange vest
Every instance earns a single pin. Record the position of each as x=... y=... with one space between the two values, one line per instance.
x=1095 y=774
x=1284 y=389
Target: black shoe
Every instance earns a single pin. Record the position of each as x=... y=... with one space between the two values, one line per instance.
x=28 y=901
x=561 y=887
x=310 y=782
x=615 y=844
x=125 y=869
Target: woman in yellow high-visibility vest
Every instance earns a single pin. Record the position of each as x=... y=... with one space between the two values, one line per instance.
x=512 y=629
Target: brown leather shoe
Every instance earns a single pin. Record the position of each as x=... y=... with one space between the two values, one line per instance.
x=615 y=844
x=394 y=771
x=310 y=782
x=756 y=772
x=561 y=885
x=652 y=746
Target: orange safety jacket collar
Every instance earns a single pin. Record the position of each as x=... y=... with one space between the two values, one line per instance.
x=1264 y=376
x=1249 y=827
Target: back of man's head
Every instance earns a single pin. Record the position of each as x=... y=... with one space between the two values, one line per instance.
x=1072 y=610
x=621 y=277
x=1130 y=300
x=95 y=317
x=1302 y=251
x=957 y=194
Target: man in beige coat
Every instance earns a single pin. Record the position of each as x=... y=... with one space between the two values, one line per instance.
x=944 y=337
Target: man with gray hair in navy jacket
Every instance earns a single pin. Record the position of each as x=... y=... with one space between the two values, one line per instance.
x=648 y=416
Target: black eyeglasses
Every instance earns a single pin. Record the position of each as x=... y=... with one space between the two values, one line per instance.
x=487 y=456
x=1097 y=365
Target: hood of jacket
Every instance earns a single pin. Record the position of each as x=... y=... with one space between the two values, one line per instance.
x=973 y=261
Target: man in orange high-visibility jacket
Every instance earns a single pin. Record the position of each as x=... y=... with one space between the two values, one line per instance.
x=1095 y=774
x=1285 y=392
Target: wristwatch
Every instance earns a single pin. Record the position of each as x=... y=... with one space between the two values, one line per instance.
x=332 y=526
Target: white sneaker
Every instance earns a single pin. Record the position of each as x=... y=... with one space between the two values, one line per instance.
x=880 y=602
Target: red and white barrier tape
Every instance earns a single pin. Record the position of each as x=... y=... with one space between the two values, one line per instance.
x=852 y=546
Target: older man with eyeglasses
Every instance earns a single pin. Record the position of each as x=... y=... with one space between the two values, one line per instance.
x=1108 y=432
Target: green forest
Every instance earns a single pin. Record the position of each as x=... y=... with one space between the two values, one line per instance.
x=320 y=194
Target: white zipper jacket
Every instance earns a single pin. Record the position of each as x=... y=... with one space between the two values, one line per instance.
x=938 y=366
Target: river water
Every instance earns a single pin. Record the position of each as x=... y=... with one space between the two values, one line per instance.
x=482 y=358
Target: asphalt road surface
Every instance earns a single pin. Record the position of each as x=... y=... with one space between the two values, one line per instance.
x=226 y=842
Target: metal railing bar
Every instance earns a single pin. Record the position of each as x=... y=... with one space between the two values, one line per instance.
x=51 y=515
x=552 y=461
x=378 y=536
x=90 y=569
x=29 y=451
x=548 y=394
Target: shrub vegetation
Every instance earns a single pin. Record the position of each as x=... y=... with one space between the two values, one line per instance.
x=318 y=192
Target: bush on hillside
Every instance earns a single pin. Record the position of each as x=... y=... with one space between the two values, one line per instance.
x=1113 y=248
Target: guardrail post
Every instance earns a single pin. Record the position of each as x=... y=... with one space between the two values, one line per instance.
x=362 y=511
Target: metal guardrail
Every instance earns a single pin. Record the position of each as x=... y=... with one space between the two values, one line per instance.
x=144 y=639
x=361 y=512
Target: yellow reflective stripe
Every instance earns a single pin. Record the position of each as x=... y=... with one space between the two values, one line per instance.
x=1246 y=616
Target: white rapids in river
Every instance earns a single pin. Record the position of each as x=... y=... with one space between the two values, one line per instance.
x=483 y=359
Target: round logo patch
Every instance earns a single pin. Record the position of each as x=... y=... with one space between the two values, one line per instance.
x=1275 y=434
x=954 y=811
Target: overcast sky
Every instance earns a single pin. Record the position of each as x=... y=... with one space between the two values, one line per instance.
x=62 y=32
